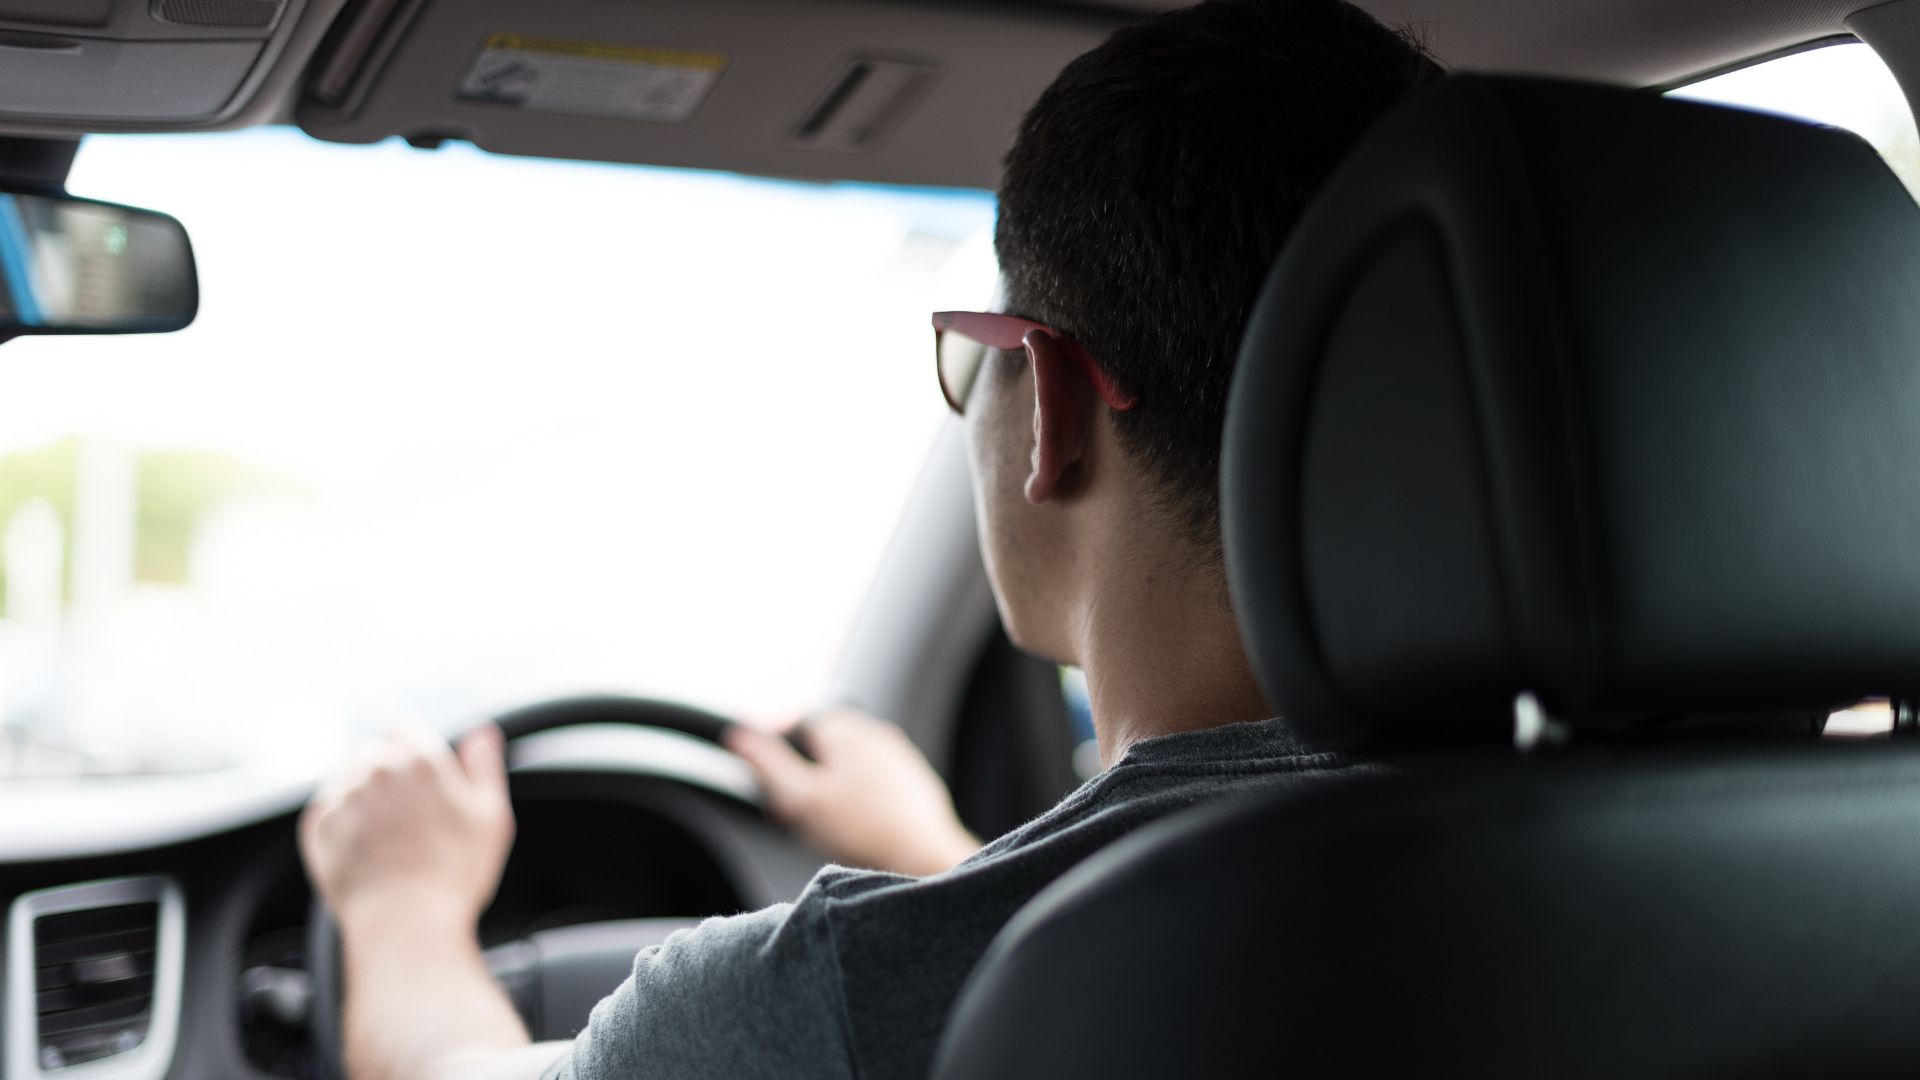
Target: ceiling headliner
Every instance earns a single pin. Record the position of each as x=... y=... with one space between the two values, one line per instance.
x=997 y=53
x=1641 y=42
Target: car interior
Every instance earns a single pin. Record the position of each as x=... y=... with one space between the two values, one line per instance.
x=1561 y=477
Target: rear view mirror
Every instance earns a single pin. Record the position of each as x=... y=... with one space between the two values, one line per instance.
x=75 y=266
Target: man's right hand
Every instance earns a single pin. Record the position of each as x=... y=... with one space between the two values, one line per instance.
x=868 y=799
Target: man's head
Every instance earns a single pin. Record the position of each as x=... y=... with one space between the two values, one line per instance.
x=1145 y=198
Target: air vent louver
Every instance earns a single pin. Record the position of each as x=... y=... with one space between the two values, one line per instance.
x=93 y=976
x=93 y=979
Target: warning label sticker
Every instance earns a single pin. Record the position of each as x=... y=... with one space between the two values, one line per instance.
x=590 y=78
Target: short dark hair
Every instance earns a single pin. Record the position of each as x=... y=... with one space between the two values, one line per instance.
x=1151 y=186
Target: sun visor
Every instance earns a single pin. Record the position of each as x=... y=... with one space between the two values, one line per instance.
x=870 y=90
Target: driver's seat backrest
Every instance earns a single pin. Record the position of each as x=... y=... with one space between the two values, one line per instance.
x=1589 y=418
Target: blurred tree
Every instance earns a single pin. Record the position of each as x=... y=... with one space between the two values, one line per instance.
x=46 y=473
x=177 y=489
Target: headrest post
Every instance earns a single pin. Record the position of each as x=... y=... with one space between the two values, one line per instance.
x=1533 y=727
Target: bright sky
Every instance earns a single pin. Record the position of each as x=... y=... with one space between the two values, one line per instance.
x=567 y=426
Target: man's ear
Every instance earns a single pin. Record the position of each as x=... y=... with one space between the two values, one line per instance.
x=1062 y=414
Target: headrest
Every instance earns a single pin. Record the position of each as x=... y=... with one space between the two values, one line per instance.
x=1589 y=394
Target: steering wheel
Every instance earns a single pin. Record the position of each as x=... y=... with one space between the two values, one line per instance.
x=572 y=966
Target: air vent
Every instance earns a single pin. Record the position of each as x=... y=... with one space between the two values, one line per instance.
x=94 y=980
x=865 y=98
x=219 y=14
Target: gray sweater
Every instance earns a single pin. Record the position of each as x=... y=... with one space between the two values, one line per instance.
x=856 y=976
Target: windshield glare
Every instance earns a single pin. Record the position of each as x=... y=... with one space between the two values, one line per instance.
x=456 y=432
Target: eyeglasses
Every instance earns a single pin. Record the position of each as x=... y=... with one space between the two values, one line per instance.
x=961 y=340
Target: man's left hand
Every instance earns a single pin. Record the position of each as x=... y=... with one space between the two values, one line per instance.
x=412 y=829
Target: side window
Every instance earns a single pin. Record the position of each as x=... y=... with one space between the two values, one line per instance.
x=1845 y=85
x=1086 y=750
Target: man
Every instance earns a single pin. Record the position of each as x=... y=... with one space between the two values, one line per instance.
x=1144 y=199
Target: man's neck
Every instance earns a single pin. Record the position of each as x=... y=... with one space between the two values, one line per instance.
x=1162 y=654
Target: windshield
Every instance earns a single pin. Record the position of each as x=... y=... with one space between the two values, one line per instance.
x=456 y=432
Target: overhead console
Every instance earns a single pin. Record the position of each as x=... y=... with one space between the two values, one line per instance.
x=877 y=90
x=104 y=65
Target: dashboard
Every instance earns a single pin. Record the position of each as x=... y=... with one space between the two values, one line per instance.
x=195 y=961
